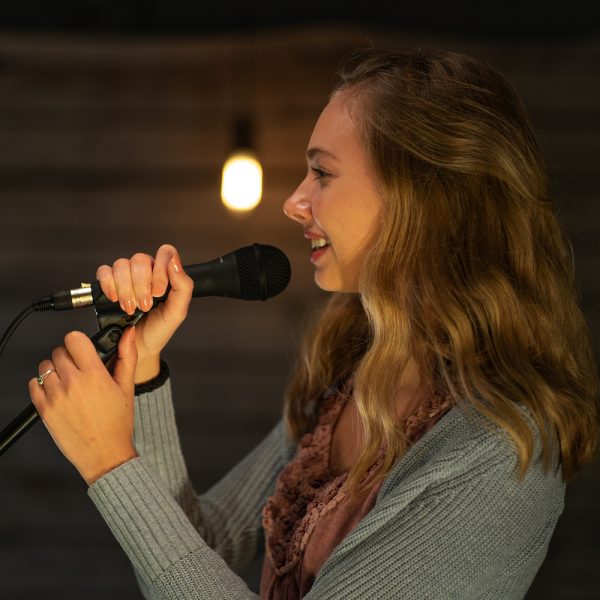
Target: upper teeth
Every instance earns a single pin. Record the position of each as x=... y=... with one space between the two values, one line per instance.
x=318 y=243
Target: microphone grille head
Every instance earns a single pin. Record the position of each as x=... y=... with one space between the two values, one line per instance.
x=264 y=271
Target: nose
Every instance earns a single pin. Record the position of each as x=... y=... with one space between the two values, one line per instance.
x=297 y=206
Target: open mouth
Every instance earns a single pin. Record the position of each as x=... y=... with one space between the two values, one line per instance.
x=318 y=243
x=318 y=248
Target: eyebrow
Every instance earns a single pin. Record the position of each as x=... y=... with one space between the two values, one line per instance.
x=312 y=152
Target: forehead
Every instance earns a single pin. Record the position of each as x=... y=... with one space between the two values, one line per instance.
x=335 y=130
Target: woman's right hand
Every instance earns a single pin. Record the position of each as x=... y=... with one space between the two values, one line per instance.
x=134 y=282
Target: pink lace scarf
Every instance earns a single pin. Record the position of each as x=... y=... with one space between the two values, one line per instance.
x=307 y=493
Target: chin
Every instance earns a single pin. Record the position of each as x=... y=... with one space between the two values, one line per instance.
x=327 y=285
x=331 y=285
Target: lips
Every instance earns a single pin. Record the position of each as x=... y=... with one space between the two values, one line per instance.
x=317 y=253
x=319 y=244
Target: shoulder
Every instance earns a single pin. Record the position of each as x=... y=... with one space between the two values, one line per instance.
x=467 y=450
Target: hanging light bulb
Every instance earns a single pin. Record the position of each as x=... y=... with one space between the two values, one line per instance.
x=241 y=184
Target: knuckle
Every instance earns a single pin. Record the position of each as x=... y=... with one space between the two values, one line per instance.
x=139 y=258
x=73 y=337
x=166 y=248
x=179 y=317
x=121 y=263
x=103 y=271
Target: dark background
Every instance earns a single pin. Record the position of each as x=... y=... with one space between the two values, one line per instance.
x=115 y=119
x=509 y=19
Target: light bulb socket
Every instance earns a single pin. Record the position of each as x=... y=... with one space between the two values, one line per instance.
x=242 y=133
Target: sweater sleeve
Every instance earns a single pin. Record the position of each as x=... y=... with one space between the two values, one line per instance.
x=180 y=544
x=227 y=516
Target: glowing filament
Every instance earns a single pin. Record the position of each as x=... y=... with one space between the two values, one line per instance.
x=241 y=187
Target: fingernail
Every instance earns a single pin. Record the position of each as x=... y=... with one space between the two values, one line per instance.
x=157 y=290
x=176 y=264
x=146 y=304
x=129 y=307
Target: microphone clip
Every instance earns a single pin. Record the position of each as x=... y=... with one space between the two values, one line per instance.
x=112 y=322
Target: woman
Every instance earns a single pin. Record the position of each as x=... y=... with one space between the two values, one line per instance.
x=443 y=397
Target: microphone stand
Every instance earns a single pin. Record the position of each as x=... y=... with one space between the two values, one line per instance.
x=112 y=322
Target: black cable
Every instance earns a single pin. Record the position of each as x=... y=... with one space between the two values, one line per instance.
x=39 y=305
x=25 y=421
x=13 y=326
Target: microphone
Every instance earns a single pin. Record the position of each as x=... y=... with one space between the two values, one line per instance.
x=255 y=272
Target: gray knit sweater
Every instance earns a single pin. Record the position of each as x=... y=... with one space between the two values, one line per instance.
x=451 y=519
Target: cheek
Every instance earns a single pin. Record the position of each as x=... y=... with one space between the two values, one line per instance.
x=376 y=225
x=320 y=214
x=374 y=217
x=365 y=234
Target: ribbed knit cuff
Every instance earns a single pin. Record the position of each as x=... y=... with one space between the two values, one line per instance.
x=149 y=525
x=156 y=382
x=156 y=437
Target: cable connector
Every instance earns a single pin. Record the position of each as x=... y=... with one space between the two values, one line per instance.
x=66 y=299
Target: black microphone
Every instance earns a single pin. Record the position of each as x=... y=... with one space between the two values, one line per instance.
x=255 y=272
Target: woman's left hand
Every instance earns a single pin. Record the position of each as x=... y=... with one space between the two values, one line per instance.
x=88 y=412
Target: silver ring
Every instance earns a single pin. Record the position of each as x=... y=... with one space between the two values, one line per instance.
x=40 y=377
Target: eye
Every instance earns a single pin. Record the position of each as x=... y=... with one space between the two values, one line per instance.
x=319 y=173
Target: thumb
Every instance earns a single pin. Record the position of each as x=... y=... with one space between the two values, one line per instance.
x=124 y=369
x=182 y=287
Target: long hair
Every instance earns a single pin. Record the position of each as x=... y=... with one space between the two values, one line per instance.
x=471 y=273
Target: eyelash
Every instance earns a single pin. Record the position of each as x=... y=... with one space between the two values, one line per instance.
x=319 y=173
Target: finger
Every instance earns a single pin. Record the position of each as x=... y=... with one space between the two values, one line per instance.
x=51 y=378
x=62 y=362
x=124 y=369
x=182 y=286
x=160 y=276
x=141 y=279
x=124 y=285
x=82 y=352
x=38 y=396
x=45 y=365
x=40 y=400
x=104 y=275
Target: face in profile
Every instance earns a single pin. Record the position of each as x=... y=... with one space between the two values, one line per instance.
x=337 y=203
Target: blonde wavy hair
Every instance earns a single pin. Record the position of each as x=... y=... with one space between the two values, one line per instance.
x=471 y=274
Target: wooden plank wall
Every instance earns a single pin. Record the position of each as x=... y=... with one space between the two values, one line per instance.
x=114 y=145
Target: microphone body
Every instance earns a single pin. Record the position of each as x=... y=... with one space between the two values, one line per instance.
x=255 y=272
